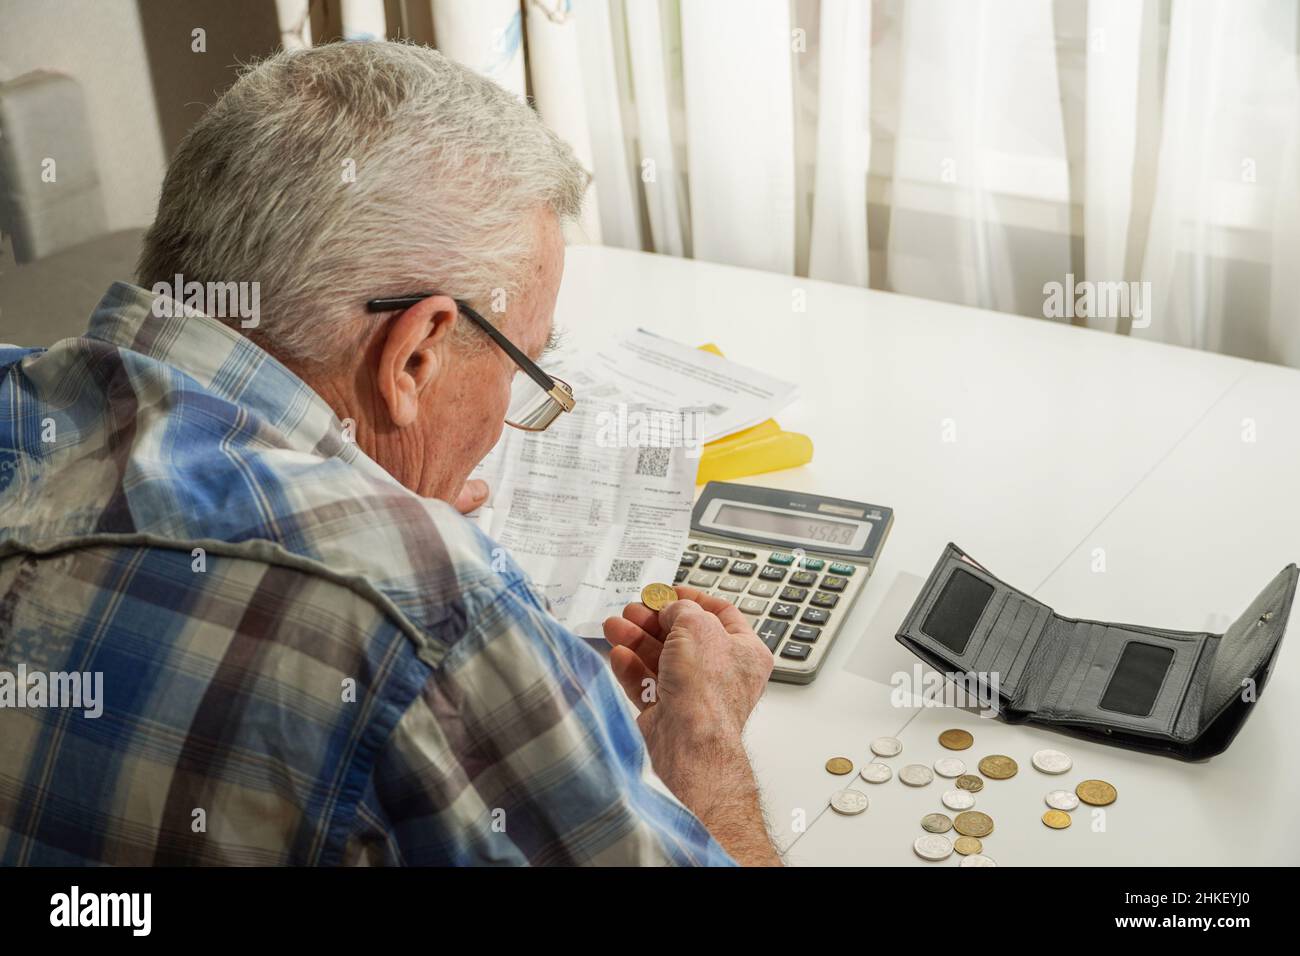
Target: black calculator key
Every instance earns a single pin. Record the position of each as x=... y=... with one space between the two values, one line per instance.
x=713 y=563
x=802 y=632
x=832 y=583
x=771 y=632
x=794 y=595
x=785 y=611
x=814 y=615
x=743 y=569
x=688 y=560
x=804 y=579
x=796 y=652
x=824 y=599
x=680 y=576
x=772 y=573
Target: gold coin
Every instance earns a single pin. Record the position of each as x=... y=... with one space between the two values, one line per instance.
x=1056 y=819
x=998 y=767
x=839 y=766
x=657 y=596
x=1096 y=792
x=968 y=781
x=972 y=823
x=956 y=739
x=967 y=845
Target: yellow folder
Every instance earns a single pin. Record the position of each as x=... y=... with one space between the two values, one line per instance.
x=762 y=448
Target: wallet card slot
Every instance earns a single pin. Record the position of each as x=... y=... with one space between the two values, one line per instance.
x=1026 y=652
x=957 y=613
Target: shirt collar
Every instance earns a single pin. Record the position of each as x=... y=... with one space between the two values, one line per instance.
x=223 y=363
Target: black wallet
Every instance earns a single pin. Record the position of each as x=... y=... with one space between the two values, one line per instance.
x=1180 y=693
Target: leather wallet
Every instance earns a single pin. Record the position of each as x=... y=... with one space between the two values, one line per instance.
x=1180 y=693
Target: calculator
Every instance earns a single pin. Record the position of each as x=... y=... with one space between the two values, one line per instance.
x=792 y=563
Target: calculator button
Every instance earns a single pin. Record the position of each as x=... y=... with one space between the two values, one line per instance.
x=779 y=558
x=743 y=569
x=680 y=576
x=833 y=584
x=785 y=611
x=814 y=615
x=803 y=579
x=729 y=598
x=796 y=652
x=702 y=580
x=802 y=632
x=794 y=595
x=844 y=569
x=812 y=564
x=824 y=599
x=771 y=632
x=713 y=563
x=688 y=560
x=762 y=589
x=730 y=583
x=752 y=605
x=772 y=573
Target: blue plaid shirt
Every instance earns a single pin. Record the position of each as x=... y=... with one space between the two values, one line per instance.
x=302 y=662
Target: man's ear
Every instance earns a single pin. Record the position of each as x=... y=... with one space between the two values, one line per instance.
x=414 y=354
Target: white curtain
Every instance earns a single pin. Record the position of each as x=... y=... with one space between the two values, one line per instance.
x=975 y=151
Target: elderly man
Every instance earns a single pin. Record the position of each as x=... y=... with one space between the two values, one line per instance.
x=240 y=526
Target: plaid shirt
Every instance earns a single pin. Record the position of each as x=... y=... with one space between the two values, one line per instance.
x=302 y=661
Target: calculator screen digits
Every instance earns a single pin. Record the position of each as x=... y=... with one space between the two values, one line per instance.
x=783 y=523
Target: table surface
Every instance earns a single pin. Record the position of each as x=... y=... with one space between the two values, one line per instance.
x=1110 y=477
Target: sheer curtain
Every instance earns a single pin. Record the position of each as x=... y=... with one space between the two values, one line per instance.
x=974 y=151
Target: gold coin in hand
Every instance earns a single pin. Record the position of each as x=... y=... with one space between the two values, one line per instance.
x=657 y=596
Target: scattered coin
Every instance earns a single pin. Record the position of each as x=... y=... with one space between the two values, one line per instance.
x=973 y=823
x=977 y=859
x=933 y=847
x=936 y=823
x=967 y=845
x=1061 y=800
x=916 y=775
x=949 y=767
x=1096 y=792
x=876 y=772
x=886 y=746
x=1056 y=819
x=849 y=802
x=958 y=799
x=956 y=739
x=839 y=766
x=968 y=781
x=998 y=767
x=658 y=596
x=1052 y=761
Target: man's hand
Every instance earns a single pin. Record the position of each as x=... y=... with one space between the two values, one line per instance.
x=695 y=670
x=473 y=494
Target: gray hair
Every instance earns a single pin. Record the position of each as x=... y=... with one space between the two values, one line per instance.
x=450 y=170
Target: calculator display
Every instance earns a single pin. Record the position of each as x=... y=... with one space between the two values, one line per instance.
x=786 y=524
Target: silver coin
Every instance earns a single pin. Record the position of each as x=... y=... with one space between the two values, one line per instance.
x=1062 y=800
x=886 y=746
x=876 y=772
x=949 y=767
x=958 y=799
x=933 y=847
x=977 y=859
x=1052 y=761
x=849 y=802
x=916 y=775
x=936 y=823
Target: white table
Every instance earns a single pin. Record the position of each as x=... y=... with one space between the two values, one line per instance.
x=1066 y=440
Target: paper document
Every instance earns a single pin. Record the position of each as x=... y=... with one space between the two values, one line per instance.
x=668 y=374
x=590 y=520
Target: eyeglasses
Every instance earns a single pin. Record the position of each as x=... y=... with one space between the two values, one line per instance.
x=536 y=398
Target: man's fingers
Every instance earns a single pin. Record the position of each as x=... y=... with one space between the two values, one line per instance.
x=643 y=617
x=632 y=675
x=473 y=494
x=724 y=610
x=620 y=632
